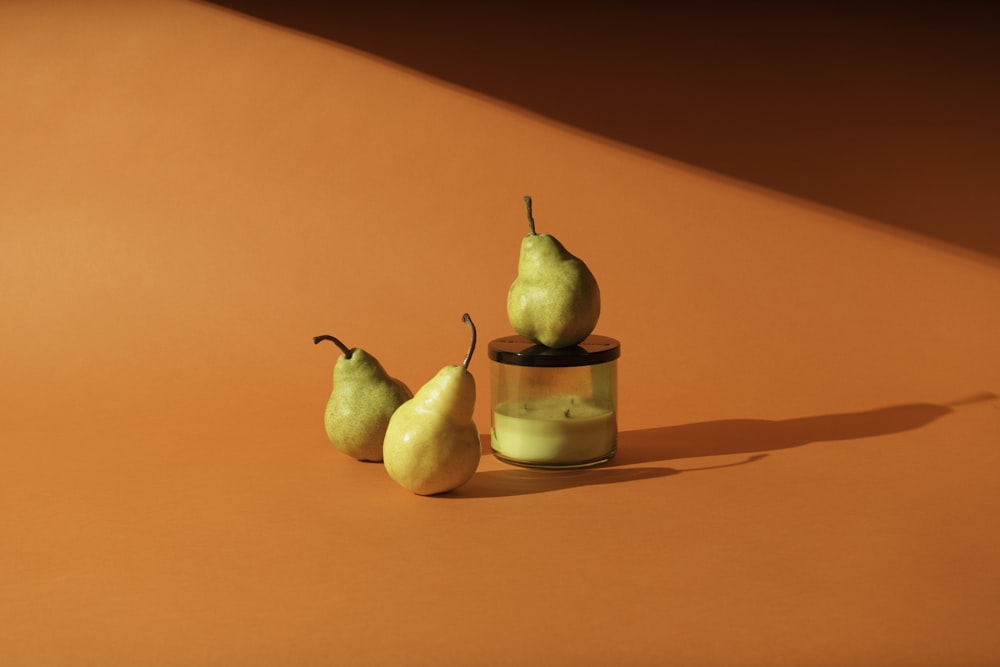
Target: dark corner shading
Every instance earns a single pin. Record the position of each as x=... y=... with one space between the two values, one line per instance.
x=883 y=111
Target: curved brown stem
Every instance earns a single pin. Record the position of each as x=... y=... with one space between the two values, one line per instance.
x=472 y=344
x=343 y=348
x=531 y=218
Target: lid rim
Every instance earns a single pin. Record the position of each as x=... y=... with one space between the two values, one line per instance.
x=516 y=350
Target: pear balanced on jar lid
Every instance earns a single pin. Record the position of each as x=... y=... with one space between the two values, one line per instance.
x=554 y=385
x=555 y=300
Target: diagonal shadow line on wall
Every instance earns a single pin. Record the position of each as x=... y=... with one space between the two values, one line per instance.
x=879 y=111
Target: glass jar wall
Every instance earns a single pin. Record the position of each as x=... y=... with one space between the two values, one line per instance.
x=554 y=408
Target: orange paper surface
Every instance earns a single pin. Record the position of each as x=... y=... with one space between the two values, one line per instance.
x=808 y=417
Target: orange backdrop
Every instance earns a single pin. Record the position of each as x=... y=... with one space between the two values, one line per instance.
x=808 y=426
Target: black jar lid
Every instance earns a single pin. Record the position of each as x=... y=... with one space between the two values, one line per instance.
x=519 y=351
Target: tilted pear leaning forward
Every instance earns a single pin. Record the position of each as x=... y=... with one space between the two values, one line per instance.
x=362 y=400
x=555 y=300
x=432 y=444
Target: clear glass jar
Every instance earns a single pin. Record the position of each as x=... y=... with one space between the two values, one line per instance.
x=554 y=408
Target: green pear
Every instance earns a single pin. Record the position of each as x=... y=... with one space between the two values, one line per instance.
x=432 y=444
x=362 y=400
x=555 y=300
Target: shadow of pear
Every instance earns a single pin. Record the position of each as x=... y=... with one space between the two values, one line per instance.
x=523 y=481
x=725 y=437
x=748 y=436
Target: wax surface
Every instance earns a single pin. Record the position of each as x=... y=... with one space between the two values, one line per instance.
x=557 y=430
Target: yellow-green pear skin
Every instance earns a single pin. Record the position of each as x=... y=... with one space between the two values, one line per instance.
x=555 y=299
x=432 y=443
x=363 y=399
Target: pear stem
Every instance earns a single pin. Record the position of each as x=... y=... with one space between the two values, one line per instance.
x=343 y=348
x=472 y=345
x=531 y=218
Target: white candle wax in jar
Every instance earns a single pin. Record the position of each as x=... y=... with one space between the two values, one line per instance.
x=554 y=408
x=555 y=430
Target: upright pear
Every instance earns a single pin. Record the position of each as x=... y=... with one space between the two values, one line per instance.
x=555 y=300
x=362 y=400
x=432 y=444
